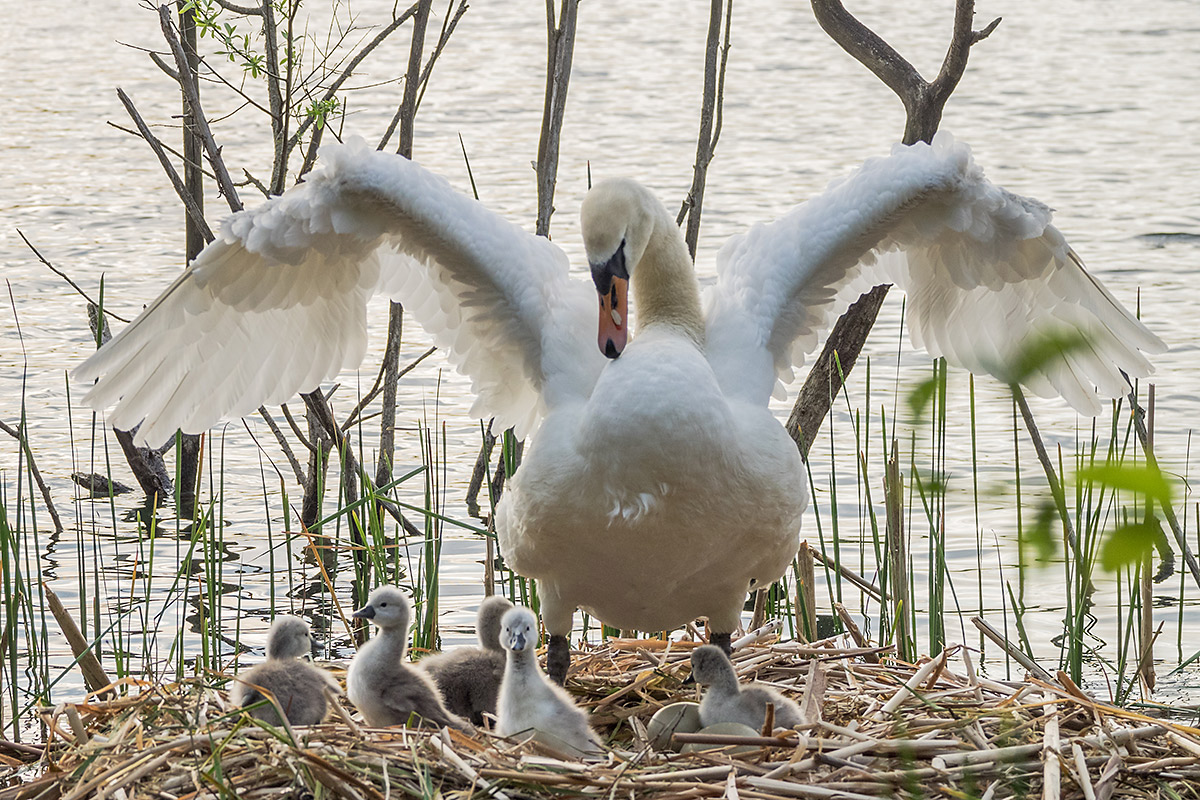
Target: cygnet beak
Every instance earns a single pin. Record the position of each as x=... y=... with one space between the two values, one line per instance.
x=366 y=612
x=612 y=284
x=517 y=642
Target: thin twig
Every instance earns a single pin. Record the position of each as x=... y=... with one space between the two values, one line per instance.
x=1056 y=489
x=195 y=213
x=36 y=473
x=66 y=277
x=283 y=444
x=310 y=156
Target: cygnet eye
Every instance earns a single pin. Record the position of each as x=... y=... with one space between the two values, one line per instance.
x=383 y=605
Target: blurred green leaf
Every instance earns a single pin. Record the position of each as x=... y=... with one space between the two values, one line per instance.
x=1041 y=351
x=921 y=395
x=1040 y=535
x=1141 y=479
x=1127 y=544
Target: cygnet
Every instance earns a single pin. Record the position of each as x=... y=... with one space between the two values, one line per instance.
x=469 y=677
x=530 y=706
x=385 y=689
x=298 y=686
x=726 y=701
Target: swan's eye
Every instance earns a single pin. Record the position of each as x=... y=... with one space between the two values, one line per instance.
x=383 y=605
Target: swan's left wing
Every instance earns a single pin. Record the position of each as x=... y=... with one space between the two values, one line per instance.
x=278 y=303
x=987 y=276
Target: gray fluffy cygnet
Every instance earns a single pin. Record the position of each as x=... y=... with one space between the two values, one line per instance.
x=727 y=701
x=383 y=687
x=530 y=705
x=469 y=677
x=298 y=686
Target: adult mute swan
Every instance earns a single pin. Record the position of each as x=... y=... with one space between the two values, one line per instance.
x=657 y=486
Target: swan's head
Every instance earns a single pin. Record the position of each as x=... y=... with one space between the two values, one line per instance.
x=289 y=637
x=710 y=665
x=489 y=619
x=617 y=217
x=388 y=607
x=518 y=630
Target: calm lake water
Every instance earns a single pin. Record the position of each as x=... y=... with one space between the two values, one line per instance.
x=1091 y=107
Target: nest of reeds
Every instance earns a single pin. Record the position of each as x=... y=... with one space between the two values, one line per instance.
x=877 y=727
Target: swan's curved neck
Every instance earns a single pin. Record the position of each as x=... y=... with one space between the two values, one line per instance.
x=725 y=682
x=393 y=642
x=664 y=282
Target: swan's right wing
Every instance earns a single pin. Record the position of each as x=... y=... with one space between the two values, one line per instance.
x=278 y=303
x=988 y=279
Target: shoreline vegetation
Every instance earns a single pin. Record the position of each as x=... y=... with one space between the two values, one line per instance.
x=157 y=643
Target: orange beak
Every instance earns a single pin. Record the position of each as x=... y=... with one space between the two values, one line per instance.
x=614 y=318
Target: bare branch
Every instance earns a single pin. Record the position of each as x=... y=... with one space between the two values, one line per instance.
x=1139 y=422
x=310 y=156
x=193 y=98
x=560 y=51
x=163 y=65
x=1056 y=489
x=283 y=444
x=829 y=370
x=923 y=101
x=19 y=435
x=245 y=11
x=391 y=355
x=408 y=105
x=955 y=62
x=279 y=111
x=287 y=414
x=66 y=277
x=195 y=213
x=447 y=30
x=868 y=47
x=373 y=392
x=710 y=113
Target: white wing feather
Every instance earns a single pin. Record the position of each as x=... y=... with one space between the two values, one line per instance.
x=278 y=303
x=986 y=274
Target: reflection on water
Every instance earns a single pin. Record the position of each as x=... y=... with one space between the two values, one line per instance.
x=1089 y=108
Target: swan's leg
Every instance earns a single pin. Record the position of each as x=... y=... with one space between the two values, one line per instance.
x=725 y=615
x=557 y=615
x=558 y=658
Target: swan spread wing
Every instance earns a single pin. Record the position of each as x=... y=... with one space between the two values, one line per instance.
x=278 y=303
x=987 y=278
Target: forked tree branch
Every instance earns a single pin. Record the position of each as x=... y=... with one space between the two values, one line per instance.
x=560 y=51
x=923 y=104
x=710 y=118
